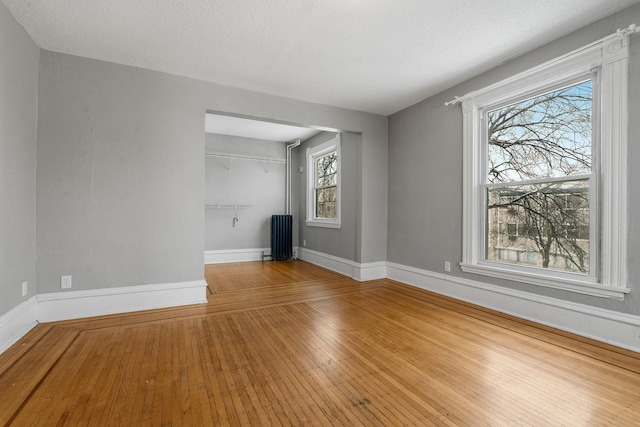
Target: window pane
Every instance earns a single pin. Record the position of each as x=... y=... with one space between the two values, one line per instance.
x=327 y=180
x=326 y=168
x=543 y=225
x=549 y=135
x=326 y=202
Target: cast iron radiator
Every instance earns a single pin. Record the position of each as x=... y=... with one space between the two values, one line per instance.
x=281 y=237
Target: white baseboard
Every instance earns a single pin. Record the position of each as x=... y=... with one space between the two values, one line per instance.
x=17 y=322
x=78 y=304
x=608 y=326
x=234 y=255
x=358 y=271
x=620 y=329
x=370 y=271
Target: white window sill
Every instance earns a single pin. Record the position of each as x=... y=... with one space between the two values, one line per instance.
x=325 y=224
x=582 y=286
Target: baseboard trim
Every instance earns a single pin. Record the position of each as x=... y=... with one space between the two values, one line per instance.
x=620 y=329
x=79 y=304
x=234 y=255
x=357 y=271
x=17 y=322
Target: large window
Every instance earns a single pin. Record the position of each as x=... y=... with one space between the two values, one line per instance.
x=545 y=173
x=323 y=195
x=539 y=183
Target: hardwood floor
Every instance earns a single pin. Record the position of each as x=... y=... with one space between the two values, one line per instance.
x=289 y=343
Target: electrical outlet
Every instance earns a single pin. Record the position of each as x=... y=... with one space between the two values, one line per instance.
x=25 y=288
x=65 y=282
x=447 y=266
x=304 y=243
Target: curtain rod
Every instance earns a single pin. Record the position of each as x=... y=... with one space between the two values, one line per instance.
x=619 y=34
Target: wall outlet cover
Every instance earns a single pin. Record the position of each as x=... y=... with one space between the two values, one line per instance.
x=65 y=282
x=25 y=288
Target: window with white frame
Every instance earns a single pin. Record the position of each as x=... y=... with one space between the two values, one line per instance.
x=539 y=184
x=545 y=173
x=323 y=184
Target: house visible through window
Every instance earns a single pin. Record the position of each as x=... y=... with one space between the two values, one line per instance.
x=323 y=193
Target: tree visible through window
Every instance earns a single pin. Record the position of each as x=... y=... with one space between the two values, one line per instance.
x=323 y=184
x=538 y=180
x=544 y=170
x=326 y=181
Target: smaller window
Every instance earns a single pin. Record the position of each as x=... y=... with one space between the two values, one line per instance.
x=323 y=184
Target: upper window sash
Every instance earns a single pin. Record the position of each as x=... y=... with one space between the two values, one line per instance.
x=609 y=57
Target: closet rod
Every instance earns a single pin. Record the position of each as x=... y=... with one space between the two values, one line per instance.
x=243 y=157
x=228 y=206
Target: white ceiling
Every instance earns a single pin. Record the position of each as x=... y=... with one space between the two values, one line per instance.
x=256 y=129
x=371 y=55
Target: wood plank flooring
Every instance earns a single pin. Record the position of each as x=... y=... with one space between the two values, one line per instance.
x=289 y=343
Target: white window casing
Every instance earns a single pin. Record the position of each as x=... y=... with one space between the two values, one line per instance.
x=607 y=59
x=312 y=154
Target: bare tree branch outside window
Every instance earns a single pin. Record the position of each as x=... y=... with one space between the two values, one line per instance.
x=537 y=214
x=326 y=168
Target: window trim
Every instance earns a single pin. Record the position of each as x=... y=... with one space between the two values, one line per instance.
x=609 y=57
x=333 y=145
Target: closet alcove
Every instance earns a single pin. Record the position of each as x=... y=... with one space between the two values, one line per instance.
x=245 y=183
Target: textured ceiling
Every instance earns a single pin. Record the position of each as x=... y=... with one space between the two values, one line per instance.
x=370 y=55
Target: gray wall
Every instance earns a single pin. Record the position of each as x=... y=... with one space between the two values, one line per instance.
x=18 y=121
x=425 y=169
x=246 y=182
x=120 y=172
x=120 y=176
x=342 y=242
